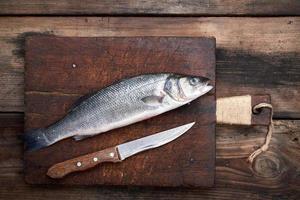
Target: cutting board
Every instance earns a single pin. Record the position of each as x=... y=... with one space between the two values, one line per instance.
x=61 y=69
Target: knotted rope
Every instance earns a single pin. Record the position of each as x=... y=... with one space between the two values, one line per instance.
x=265 y=146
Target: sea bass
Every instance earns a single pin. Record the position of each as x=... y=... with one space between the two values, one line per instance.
x=125 y=102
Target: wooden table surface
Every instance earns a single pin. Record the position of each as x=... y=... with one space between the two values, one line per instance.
x=258 y=52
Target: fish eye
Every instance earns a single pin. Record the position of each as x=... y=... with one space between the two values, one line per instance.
x=194 y=81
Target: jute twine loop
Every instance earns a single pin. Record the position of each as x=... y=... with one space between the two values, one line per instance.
x=265 y=146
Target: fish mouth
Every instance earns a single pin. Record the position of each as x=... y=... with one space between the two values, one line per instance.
x=207 y=86
x=206 y=89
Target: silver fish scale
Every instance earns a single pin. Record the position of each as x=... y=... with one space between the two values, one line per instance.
x=112 y=107
x=113 y=112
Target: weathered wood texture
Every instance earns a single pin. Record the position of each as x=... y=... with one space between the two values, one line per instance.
x=150 y=7
x=274 y=175
x=52 y=85
x=254 y=55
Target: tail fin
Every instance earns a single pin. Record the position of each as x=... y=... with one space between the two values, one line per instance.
x=35 y=139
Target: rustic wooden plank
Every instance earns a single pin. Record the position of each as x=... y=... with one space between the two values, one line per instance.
x=152 y=7
x=274 y=175
x=254 y=55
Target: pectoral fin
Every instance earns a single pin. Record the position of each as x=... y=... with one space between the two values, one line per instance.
x=153 y=100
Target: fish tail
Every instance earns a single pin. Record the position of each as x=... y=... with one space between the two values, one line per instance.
x=35 y=139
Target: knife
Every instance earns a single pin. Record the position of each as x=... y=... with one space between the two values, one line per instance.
x=117 y=153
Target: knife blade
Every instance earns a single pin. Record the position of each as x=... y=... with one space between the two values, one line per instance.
x=117 y=153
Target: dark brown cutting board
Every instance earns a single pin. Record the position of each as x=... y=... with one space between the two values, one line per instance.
x=61 y=69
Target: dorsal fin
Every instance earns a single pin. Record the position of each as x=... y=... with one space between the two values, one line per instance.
x=80 y=100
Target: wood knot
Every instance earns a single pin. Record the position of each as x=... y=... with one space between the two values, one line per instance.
x=268 y=165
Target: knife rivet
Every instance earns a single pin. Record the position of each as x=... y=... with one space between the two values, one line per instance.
x=74 y=65
x=111 y=154
x=95 y=159
x=78 y=164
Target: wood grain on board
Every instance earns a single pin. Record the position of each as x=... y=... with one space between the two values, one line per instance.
x=150 y=7
x=274 y=174
x=52 y=84
x=254 y=55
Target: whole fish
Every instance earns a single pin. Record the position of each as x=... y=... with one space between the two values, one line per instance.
x=123 y=103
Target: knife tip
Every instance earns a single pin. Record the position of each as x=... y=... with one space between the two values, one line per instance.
x=191 y=124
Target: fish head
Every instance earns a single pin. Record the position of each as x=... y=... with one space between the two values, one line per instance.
x=186 y=88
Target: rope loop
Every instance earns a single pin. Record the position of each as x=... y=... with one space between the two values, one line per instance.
x=256 y=109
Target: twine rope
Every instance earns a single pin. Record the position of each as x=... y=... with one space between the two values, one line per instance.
x=265 y=146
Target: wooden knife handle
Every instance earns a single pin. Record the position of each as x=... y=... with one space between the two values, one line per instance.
x=83 y=162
